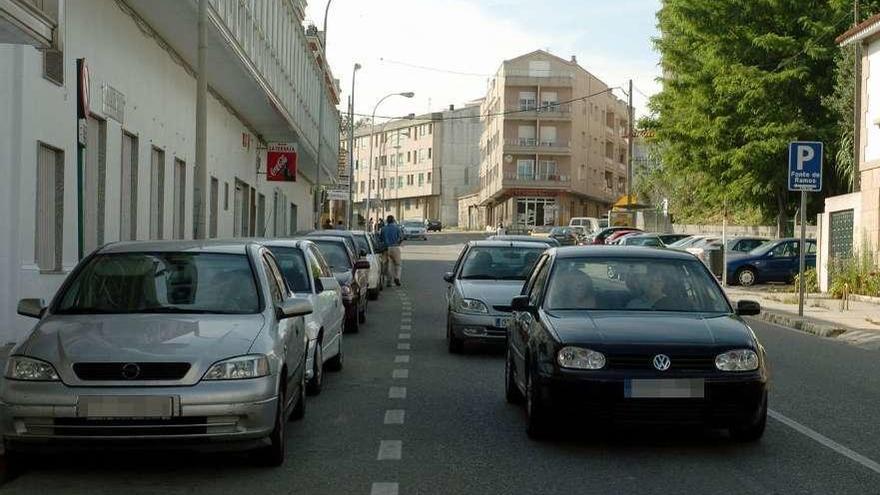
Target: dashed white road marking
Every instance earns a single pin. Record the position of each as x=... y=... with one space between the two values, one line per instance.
x=394 y=416
x=397 y=393
x=404 y=336
x=401 y=358
x=405 y=346
x=406 y=314
x=390 y=450
x=406 y=320
x=400 y=373
x=822 y=439
x=406 y=327
x=384 y=488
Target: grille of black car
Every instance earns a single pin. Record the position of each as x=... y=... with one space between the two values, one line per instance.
x=130 y=371
x=506 y=309
x=194 y=425
x=645 y=361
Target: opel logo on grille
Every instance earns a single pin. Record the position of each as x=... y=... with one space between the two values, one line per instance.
x=662 y=362
x=130 y=371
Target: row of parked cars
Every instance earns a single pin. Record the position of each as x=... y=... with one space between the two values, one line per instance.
x=205 y=344
x=609 y=334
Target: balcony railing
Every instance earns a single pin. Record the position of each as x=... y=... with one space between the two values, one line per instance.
x=536 y=144
x=513 y=176
x=537 y=110
x=537 y=73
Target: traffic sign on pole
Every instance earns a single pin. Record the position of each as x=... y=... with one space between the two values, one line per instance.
x=805 y=166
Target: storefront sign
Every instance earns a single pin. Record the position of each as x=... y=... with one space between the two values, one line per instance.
x=281 y=162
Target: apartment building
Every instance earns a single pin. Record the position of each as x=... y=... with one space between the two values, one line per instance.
x=420 y=165
x=135 y=149
x=554 y=143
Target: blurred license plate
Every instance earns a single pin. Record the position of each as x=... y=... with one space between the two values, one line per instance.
x=501 y=322
x=681 y=388
x=125 y=406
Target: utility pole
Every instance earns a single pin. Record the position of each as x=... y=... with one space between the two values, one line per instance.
x=629 y=161
x=357 y=67
x=201 y=165
x=857 y=92
x=319 y=201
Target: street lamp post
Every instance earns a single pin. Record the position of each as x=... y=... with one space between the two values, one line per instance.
x=408 y=94
x=357 y=67
x=319 y=201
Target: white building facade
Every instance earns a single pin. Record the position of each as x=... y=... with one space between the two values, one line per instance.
x=136 y=176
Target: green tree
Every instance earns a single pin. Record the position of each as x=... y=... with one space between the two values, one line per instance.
x=741 y=79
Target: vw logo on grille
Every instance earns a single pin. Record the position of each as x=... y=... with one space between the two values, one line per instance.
x=662 y=362
x=130 y=371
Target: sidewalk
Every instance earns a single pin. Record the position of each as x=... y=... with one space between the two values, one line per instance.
x=823 y=316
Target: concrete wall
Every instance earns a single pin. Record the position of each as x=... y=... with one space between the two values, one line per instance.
x=459 y=147
x=159 y=110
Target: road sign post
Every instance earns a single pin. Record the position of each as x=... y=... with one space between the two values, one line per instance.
x=804 y=175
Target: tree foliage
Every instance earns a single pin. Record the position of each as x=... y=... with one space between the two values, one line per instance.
x=741 y=79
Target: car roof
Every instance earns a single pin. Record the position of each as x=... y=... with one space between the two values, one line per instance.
x=611 y=251
x=523 y=238
x=331 y=233
x=290 y=242
x=493 y=243
x=227 y=246
x=328 y=238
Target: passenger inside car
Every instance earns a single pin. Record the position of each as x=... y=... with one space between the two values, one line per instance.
x=574 y=290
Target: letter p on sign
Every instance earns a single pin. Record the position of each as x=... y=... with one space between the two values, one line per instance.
x=804 y=154
x=805 y=166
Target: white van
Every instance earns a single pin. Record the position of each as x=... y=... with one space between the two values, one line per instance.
x=590 y=223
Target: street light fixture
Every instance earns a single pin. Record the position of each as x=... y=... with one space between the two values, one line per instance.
x=408 y=94
x=356 y=68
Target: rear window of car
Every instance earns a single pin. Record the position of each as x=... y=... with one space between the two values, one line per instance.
x=163 y=282
x=293 y=267
x=500 y=263
x=336 y=255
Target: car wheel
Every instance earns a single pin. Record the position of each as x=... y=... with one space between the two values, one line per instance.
x=536 y=410
x=746 y=277
x=456 y=345
x=752 y=431
x=373 y=294
x=511 y=390
x=335 y=363
x=317 y=382
x=299 y=411
x=273 y=454
x=352 y=324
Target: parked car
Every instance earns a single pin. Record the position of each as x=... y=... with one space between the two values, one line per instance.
x=309 y=277
x=620 y=233
x=685 y=242
x=636 y=348
x=777 y=261
x=701 y=247
x=414 y=229
x=637 y=239
x=159 y=342
x=352 y=275
x=590 y=223
x=745 y=244
x=582 y=233
x=602 y=235
x=671 y=238
x=566 y=236
x=525 y=238
x=481 y=284
x=365 y=250
x=433 y=225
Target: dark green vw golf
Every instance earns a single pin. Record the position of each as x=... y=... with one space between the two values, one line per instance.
x=633 y=335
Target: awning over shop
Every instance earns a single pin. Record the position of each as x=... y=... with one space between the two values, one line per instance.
x=631 y=204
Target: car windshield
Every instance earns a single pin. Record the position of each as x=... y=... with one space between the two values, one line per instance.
x=413 y=224
x=335 y=254
x=560 y=231
x=643 y=241
x=685 y=242
x=499 y=263
x=293 y=266
x=633 y=284
x=163 y=282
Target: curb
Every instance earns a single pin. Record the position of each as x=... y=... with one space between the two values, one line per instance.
x=821 y=329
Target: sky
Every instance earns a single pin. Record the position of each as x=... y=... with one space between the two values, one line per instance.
x=445 y=51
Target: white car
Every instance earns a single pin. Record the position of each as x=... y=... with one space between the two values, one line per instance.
x=413 y=229
x=374 y=256
x=309 y=277
x=591 y=224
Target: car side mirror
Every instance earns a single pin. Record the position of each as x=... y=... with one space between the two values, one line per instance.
x=293 y=307
x=522 y=303
x=33 y=308
x=449 y=277
x=748 y=308
x=362 y=265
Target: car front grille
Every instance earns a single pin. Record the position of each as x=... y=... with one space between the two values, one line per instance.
x=76 y=427
x=645 y=362
x=130 y=371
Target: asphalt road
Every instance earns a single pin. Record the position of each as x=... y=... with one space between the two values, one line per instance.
x=450 y=430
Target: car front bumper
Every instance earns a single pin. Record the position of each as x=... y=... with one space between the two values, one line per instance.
x=728 y=399
x=208 y=416
x=475 y=327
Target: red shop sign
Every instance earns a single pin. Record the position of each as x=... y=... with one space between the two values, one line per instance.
x=281 y=162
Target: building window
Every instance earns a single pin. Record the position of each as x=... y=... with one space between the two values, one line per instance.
x=548 y=135
x=215 y=205
x=409 y=180
x=408 y=157
x=527 y=100
x=128 y=188
x=429 y=176
x=421 y=179
x=225 y=196
x=429 y=153
x=95 y=185
x=399 y=182
x=179 y=218
x=381 y=183
x=362 y=186
x=157 y=193
x=406 y=204
x=293 y=226
x=621 y=184
x=261 y=215
x=547 y=170
x=609 y=180
x=525 y=169
x=48 y=241
x=53 y=65
x=372 y=184
x=430 y=128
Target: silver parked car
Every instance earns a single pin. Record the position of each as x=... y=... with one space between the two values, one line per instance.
x=486 y=277
x=309 y=277
x=415 y=229
x=183 y=343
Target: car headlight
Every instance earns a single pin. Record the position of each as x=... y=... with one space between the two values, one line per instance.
x=466 y=305
x=25 y=368
x=239 y=368
x=580 y=358
x=737 y=360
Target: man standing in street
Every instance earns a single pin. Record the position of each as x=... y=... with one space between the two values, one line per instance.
x=392 y=236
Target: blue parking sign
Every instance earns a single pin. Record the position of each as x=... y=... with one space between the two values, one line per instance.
x=805 y=166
